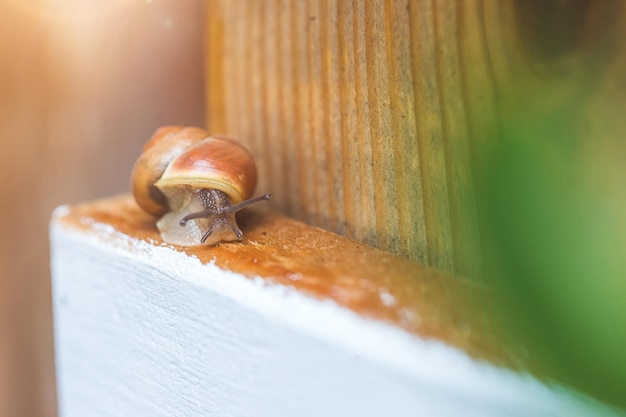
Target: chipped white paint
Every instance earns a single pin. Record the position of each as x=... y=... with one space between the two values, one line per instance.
x=143 y=330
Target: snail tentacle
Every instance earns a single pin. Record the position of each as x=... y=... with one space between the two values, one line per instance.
x=240 y=206
x=206 y=235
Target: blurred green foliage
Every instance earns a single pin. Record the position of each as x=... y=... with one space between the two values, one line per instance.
x=554 y=216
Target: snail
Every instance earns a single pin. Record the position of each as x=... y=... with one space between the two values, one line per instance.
x=195 y=183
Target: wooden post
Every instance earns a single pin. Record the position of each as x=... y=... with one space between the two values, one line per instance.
x=291 y=321
x=369 y=118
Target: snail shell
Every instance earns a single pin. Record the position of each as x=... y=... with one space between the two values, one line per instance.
x=195 y=183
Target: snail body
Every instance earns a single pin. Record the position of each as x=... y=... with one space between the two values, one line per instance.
x=195 y=183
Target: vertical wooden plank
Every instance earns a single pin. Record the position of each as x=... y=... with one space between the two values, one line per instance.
x=238 y=109
x=431 y=148
x=285 y=112
x=332 y=114
x=466 y=251
x=379 y=103
x=380 y=110
x=409 y=181
x=366 y=206
x=479 y=97
x=274 y=140
x=256 y=71
x=351 y=184
x=317 y=165
x=217 y=63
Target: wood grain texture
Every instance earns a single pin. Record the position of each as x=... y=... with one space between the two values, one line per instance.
x=370 y=118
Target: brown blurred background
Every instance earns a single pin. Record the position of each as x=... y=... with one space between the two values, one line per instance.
x=83 y=83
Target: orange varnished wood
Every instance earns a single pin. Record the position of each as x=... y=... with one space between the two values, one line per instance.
x=372 y=283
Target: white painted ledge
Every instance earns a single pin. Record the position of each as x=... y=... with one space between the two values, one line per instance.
x=142 y=329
